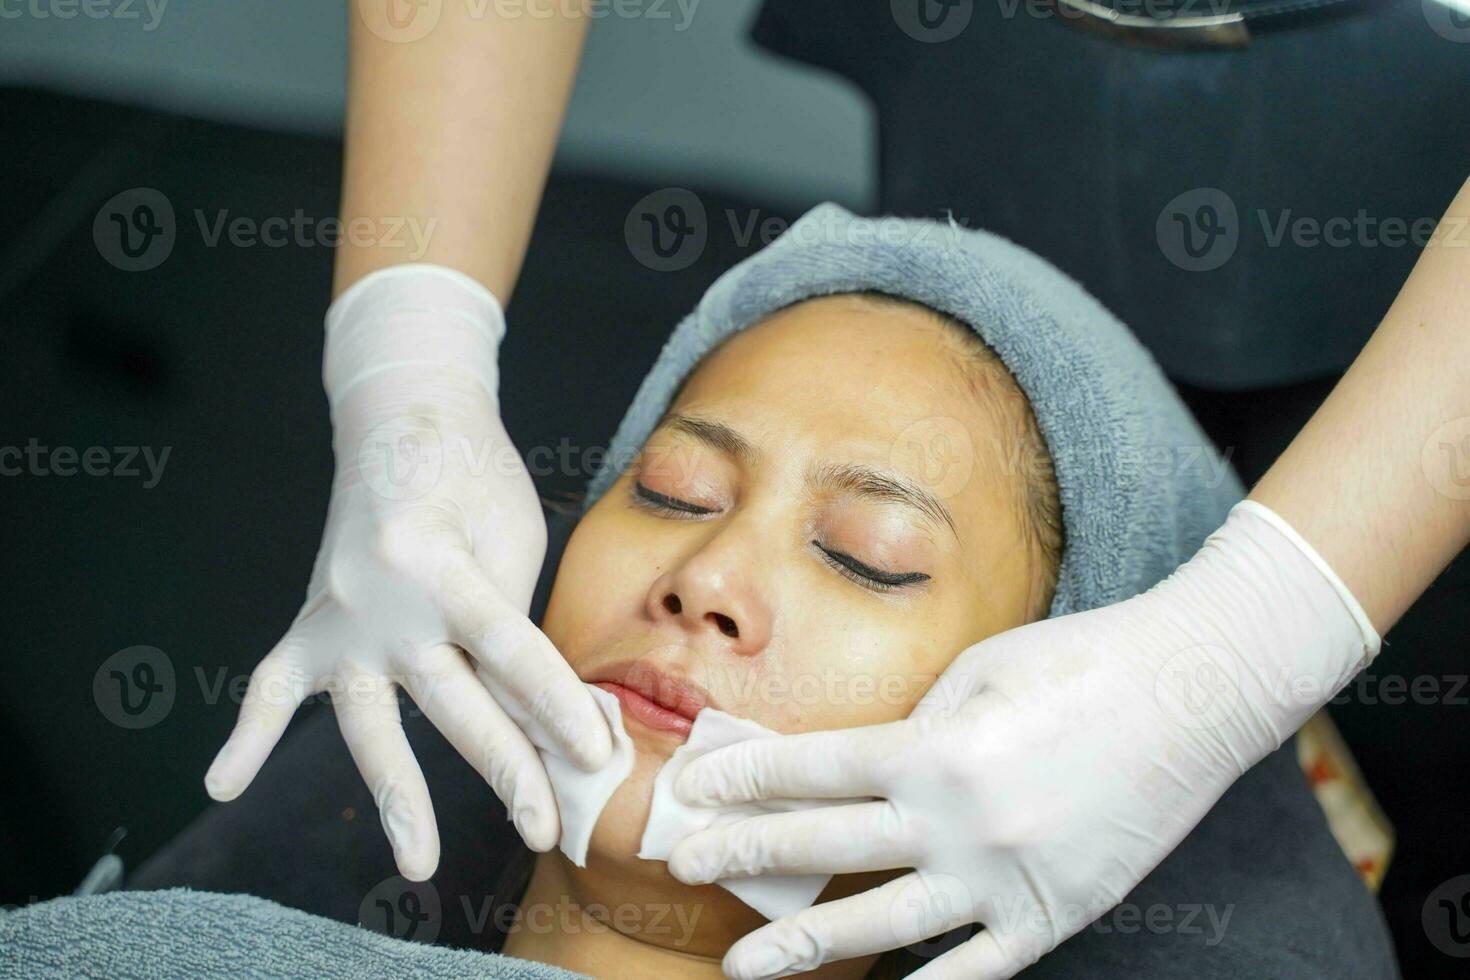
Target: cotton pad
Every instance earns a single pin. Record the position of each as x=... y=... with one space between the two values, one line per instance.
x=580 y=796
x=670 y=821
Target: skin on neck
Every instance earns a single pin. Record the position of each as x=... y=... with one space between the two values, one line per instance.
x=644 y=932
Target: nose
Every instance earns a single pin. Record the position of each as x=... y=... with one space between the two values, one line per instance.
x=714 y=594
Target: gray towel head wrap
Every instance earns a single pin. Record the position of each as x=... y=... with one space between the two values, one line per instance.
x=1140 y=483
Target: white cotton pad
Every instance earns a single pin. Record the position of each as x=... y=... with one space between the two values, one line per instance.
x=580 y=796
x=670 y=821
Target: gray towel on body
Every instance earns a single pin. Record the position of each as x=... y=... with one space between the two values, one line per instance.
x=184 y=933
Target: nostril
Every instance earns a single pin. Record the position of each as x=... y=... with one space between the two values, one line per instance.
x=726 y=624
x=672 y=604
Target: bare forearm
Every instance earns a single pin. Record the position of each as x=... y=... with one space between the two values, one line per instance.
x=1379 y=480
x=454 y=131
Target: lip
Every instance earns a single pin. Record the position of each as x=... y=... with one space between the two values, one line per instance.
x=655 y=698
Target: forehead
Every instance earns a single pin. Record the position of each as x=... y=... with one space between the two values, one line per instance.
x=846 y=380
x=838 y=346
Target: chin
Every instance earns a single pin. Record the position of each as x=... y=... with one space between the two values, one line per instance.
x=619 y=831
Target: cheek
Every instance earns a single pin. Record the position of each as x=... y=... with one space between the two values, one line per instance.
x=603 y=579
x=841 y=666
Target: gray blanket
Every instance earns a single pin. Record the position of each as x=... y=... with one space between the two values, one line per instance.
x=183 y=933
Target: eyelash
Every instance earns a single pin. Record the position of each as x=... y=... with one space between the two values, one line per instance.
x=661 y=503
x=865 y=575
x=844 y=564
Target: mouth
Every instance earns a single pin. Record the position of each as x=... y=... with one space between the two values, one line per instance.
x=655 y=699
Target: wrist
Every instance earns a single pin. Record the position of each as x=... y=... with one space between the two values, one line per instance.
x=412 y=316
x=1284 y=633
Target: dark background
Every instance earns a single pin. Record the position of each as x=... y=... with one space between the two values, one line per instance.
x=216 y=356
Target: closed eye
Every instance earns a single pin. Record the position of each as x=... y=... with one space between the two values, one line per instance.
x=662 y=503
x=866 y=575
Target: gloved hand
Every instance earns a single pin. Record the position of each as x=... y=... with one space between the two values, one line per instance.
x=1047 y=771
x=433 y=541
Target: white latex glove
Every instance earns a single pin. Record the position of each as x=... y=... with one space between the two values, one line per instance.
x=1047 y=771
x=433 y=541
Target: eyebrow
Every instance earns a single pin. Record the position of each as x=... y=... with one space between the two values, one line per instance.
x=864 y=481
x=854 y=478
x=717 y=435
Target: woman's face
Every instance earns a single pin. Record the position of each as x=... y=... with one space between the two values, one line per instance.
x=821 y=523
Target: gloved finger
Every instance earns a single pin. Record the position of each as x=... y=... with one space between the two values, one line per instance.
x=445 y=688
x=521 y=660
x=988 y=956
x=828 y=840
x=277 y=687
x=878 y=919
x=820 y=764
x=367 y=713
